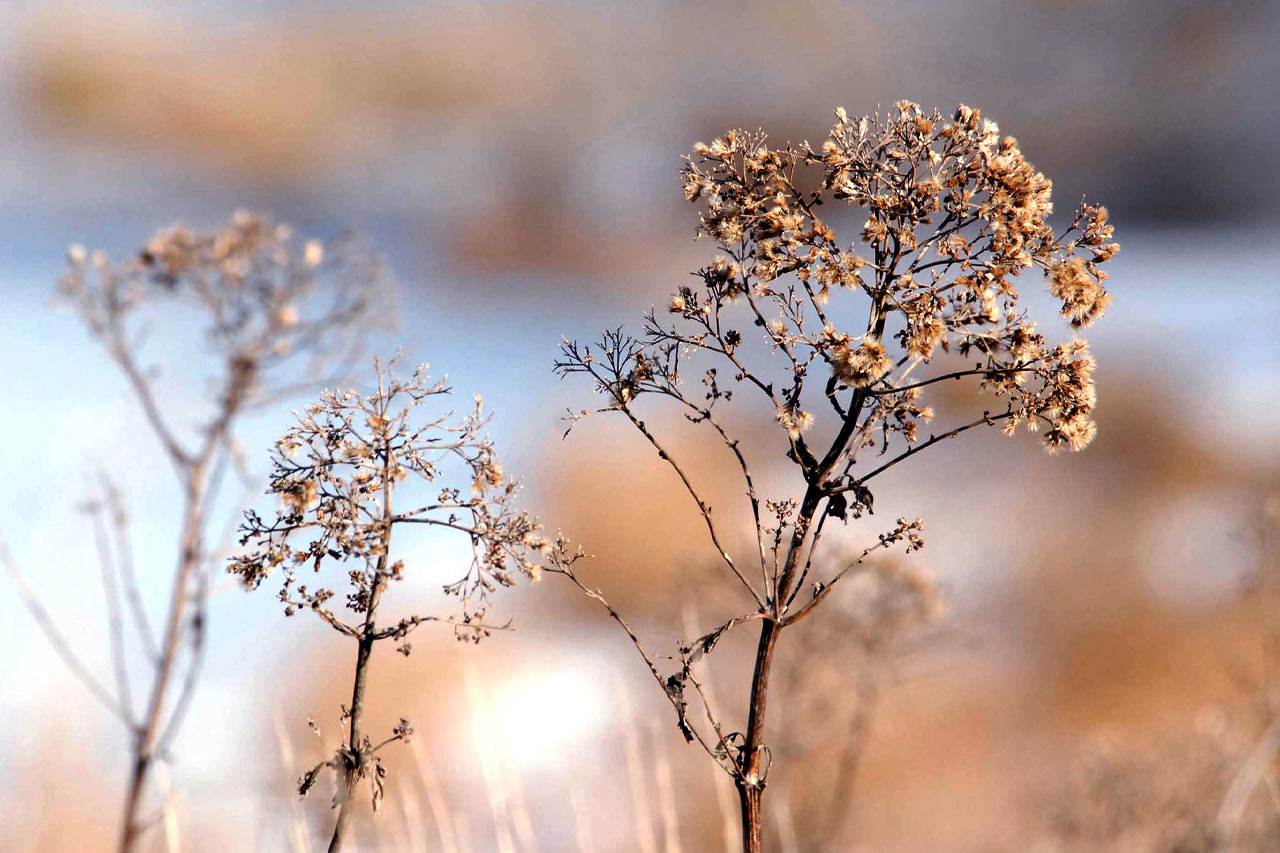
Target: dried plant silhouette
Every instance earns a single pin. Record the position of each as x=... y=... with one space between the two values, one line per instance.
x=839 y=342
x=851 y=656
x=278 y=315
x=350 y=472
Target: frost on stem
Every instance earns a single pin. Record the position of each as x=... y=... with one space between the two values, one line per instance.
x=840 y=340
x=351 y=470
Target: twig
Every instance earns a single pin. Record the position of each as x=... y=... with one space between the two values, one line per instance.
x=58 y=641
x=111 y=593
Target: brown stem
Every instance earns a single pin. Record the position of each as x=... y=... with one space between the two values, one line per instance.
x=199 y=479
x=137 y=779
x=751 y=781
x=752 y=818
x=356 y=755
x=147 y=734
x=351 y=770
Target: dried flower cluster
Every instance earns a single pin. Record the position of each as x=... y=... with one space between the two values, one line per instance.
x=841 y=340
x=352 y=470
x=955 y=214
x=337 y=474
x=270 y=298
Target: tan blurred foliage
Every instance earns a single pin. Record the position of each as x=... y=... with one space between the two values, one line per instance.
x=554 y=93
x=276 y=101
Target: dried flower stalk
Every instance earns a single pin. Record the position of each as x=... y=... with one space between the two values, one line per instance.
x=840 y=342
x=277 y=314
x=350 y=472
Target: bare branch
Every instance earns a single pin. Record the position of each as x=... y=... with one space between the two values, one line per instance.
x=703 y=508
x=904 y=530
x=669 y=689
x=128 y=574
x=986 y=419
x=111 y=594
x=58 y=641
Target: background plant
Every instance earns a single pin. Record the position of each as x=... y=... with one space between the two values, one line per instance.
x=276 y=314
x=1211 y=786
x=353 y=470
x=840 y=341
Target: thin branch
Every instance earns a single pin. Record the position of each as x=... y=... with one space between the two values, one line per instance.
x=959 y=374
x=735 y=446
x=703 y=508
x=438 y=522
x=178 y=455
x=409 y=625
x=58 y=641
x=808 y=561
x=198 y=628
x=128 y=573
x=675 y=701
x=328 y=616
x=987 y=418
x=823 y=590
x=111 y=593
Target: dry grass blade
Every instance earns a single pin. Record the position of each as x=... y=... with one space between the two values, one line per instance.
x=498 y=806
x=440 y=813
x=666 y=791
x=641 y=810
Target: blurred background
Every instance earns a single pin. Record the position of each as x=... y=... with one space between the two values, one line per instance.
x=1102 y=667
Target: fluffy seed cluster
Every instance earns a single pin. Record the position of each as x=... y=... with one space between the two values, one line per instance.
x=354 y=468
x=954 y=214
x=860 y=366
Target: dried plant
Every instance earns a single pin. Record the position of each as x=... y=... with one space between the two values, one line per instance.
x=1166 y=794
x=851 y=658
x=352 y=470
x=1214 y=787
x=840 y=342
x=278 y=314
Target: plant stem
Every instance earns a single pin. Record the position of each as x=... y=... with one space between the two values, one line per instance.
x=147 y=733
x=356 y=755
x=751 y=783
x=351 y=771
